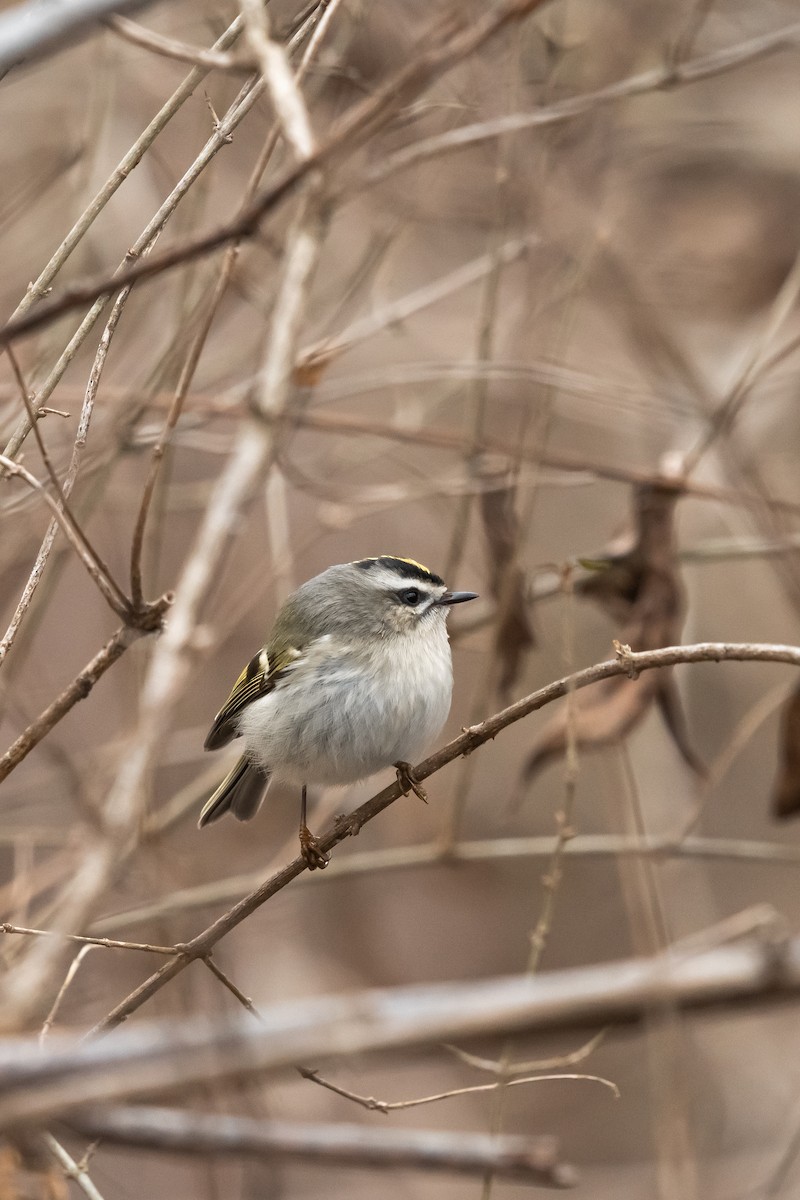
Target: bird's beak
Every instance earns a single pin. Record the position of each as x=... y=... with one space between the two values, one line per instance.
x=457 y=597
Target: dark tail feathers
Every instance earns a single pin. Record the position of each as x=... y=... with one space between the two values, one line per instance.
x=241 y=792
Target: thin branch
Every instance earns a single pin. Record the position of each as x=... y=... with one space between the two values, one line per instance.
x=669 y=75
x=99 y=572
x=79 y=689
x=166 y=1055
x=169 y=667
x=400 y=858
x=227 y=982
x=81 y=940
x=436 y=53
x=626 y=663
x=558 y=1062
x=287 y=100
x=75 y=1171
x=387 y=1106
x=209 y=60
x=79 y=445
x=72 y=971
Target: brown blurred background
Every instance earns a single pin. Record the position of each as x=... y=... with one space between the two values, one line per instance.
x=634 y=278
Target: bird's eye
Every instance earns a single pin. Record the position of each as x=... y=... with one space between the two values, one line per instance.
x=409 y=596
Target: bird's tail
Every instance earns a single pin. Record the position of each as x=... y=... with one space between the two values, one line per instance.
x=240 y=792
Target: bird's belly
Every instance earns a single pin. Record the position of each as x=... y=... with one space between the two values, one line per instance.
x=337 y=726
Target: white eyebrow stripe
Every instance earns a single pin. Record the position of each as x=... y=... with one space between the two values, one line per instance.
x=382 y=577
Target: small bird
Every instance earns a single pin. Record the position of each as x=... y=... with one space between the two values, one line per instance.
x=356 y=676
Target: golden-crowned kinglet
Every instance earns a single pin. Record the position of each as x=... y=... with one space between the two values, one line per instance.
x=356 y=676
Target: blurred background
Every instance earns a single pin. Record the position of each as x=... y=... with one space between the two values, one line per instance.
x=555 y=360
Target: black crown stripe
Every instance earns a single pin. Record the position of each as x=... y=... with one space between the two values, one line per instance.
x=407 y=567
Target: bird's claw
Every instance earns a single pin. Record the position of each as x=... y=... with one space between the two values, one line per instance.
x=311 y=850
x=409 y=782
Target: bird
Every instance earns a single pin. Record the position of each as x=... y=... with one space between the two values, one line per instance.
x=356 y=676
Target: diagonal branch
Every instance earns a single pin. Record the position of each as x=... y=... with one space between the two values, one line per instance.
x=469 y=740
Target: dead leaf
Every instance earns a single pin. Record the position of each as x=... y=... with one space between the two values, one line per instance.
x=513 y=636
x=786 y=792
x=640 y=589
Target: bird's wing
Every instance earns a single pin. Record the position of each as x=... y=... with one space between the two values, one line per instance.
x=258 y=678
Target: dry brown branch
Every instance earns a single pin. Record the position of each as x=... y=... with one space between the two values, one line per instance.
x=670 y=75
x=178 y=1054
x=626 y=663
x=79 y=689
x=209 y=60
x=436 y=53
x=39 y=288
x=387 y=1106
x=318 y=24
x=399 y=858
x=108 y=943
x=99 y=572
x=532 y=1161
x=170 y=664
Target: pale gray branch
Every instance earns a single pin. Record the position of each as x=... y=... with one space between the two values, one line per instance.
x=178 y=1054
x=530 y=1160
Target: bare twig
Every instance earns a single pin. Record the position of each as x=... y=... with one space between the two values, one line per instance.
x=399 y=858
x=209 y=60
x=171 y=1054
x=669 y=75
x=625 y=663
x=80 y=939
x=387 y=1106
x=286 y=97
x=169 y=667
x=72 y=1170
x=79 y=689
x=437 y=52
x=74 y=967
x=227 y=982
x=99 y=572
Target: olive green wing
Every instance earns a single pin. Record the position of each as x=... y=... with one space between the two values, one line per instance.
x=258 y=678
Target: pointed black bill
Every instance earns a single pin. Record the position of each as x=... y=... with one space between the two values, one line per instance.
x=457 y=597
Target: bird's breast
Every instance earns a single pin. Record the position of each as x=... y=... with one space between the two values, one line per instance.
x=340 y=717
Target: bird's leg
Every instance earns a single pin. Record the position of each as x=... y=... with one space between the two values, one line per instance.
x=310 y=848
x=409 y=782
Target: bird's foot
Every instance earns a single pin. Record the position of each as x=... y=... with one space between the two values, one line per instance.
x=311 y=850
x=409 y=782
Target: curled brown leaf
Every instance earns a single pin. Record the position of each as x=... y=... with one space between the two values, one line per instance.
x=641 y=590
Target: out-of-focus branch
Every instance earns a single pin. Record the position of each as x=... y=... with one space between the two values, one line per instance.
x=437 y=52
x=316 y=25
x=209 y=60
x=287 y=99
x=31 y=30
x=526 y=1160
x=79 y=689
x=626 y=663
x=169 y=667
x=671 y=74
x=178 y=1054
x=400 y=858
x=99 y=572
